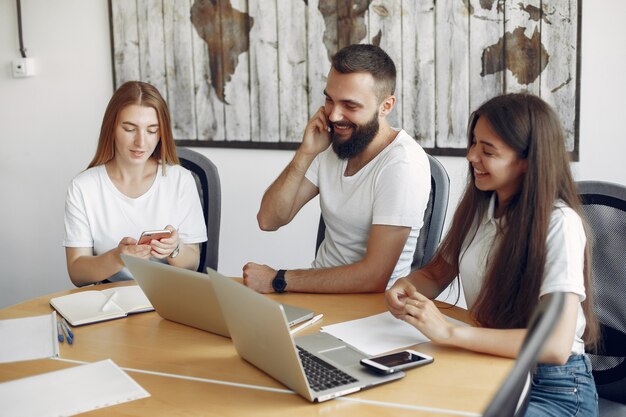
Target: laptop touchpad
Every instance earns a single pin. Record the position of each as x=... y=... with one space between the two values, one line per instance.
x=343 y=356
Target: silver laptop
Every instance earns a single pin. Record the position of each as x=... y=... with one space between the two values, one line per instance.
x=187 y=297
x=261 y=336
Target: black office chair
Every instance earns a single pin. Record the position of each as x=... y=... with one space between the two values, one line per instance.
x=512 y=397
x=209 y=189
x=604 y=205
x=434 y=216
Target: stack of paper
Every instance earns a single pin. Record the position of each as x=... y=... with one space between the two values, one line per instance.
x=69 y=391
x=28 y=338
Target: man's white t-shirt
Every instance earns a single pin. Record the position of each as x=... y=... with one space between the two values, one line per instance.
x=565 y=258
x=392 y=189
x=98 y=215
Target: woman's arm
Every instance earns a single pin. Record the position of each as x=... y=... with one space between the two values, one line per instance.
x=424 y=315
x=429 y=281
x=187 y=256
x=86 y=268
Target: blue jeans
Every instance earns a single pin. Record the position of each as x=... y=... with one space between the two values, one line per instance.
x=563 y=390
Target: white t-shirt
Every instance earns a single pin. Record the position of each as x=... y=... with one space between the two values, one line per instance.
x=565 y=260
x=98 y=215
x=392 y=189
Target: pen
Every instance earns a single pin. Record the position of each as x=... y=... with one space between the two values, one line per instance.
x=108 y=301
x=60 y=332
x=67 y=328
x=306 y=324
x=69 y=338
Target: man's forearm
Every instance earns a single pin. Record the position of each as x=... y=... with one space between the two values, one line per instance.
x=354 y=278
x=277 y=205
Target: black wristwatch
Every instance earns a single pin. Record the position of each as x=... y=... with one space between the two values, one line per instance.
x=278 y=283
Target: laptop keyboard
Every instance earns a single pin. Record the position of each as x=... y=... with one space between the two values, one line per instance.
x=322 y=375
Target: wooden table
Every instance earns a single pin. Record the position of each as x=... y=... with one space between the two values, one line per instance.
x=189 y=372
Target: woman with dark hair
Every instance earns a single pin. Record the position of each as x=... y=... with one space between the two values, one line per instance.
x=133 y=184
x=517 y=235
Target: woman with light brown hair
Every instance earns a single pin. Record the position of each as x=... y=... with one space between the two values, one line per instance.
x=133 y=184
x=517 y=235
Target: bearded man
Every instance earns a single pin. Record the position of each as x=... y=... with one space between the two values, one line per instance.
x=373 y=182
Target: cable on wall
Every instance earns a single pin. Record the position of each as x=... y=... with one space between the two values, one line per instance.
x=19 y=28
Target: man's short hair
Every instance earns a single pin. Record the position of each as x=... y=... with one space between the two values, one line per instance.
x=371 y=59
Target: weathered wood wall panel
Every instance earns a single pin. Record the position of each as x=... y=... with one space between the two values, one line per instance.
x=179 y=64
x=418 y=71
x=265 y=113
x=237 y=90
x=292 y=70
x=250 y=73
x=559 y=80
x=125 y=41
x=318 y=63
x=209 y=109
x=385 y=30
x=485 y=26
x=451 y=73
x=523 y=47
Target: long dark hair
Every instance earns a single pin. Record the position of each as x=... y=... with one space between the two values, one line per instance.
x=511 y=287
x=143 y=94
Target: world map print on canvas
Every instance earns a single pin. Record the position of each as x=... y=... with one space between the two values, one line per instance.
x=239 y=73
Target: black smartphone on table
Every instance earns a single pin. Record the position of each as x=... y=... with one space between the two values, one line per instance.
x=392 y=362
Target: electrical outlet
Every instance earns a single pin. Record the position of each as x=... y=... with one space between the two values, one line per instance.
x=23 y=67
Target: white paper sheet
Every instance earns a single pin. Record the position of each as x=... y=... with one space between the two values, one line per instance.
x=379 y=334
x=28 y=338
x=69 y=391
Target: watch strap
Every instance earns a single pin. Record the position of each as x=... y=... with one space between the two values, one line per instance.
x=175 y=252
x=279 y=284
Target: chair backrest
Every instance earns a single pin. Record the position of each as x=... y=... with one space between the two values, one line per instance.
x=434 y=216
x=512 y=397
x=604 y=205
x=209 y=190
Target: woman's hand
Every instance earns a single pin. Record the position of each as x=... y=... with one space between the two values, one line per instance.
x=397 y=295
x=129 y=246
x=163 y=248
x=421 y=313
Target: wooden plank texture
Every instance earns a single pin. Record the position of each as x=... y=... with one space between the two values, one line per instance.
x=150 y=17
x=418 y=70
x=264 y=111
x=125 y=41
x=452 y=76
x=179 y=64
x=292 y=70
x=559 y=33
x=486 y=29
x=249 y=73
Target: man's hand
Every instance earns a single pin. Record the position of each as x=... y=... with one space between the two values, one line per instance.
x=316 y=136
x=259 y=277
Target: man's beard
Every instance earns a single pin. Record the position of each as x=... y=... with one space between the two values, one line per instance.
x=362 y=135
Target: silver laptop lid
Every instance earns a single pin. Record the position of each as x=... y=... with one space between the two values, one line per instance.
x=260 y=334
x=188 y=297
x=293 y=313
x=178 y=294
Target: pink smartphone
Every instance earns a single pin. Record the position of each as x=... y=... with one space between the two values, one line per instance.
x=149 y=235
